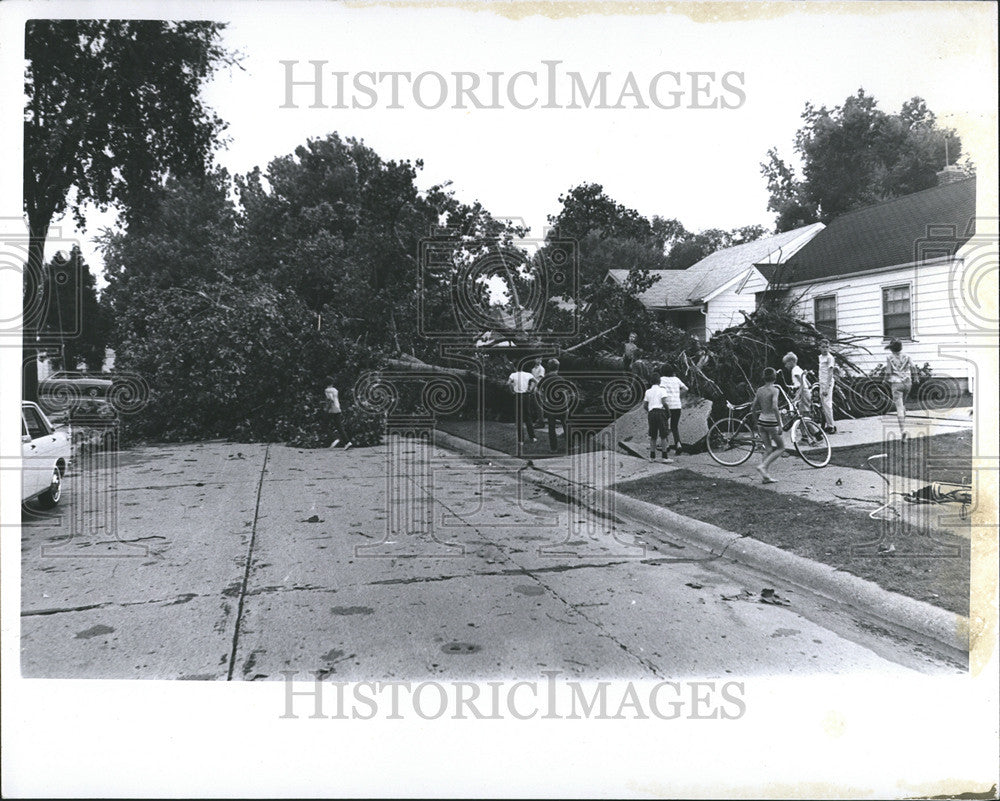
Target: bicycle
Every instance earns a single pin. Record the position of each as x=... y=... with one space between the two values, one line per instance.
x=733 y=439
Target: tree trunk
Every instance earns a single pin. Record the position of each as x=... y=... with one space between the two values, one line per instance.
x=34 y=305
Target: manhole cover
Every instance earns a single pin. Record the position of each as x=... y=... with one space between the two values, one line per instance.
x=459 y=648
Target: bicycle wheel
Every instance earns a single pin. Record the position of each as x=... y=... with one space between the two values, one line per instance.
x=811 y=442
x=731 y=442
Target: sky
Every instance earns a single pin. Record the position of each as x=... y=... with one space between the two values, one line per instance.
x=699 y=165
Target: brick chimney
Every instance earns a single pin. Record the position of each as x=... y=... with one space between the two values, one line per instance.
x=950 y=174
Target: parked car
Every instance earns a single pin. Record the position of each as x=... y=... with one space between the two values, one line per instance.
x=45 y=455
x=75 y=384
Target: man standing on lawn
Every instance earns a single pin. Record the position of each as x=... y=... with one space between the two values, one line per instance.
x=552 y=416
x=538 y=373
x=655 y=404
x=522 y=384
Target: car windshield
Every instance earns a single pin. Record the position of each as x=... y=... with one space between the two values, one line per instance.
x=31 y=418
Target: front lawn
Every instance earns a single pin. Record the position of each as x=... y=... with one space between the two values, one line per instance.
x=933 y=569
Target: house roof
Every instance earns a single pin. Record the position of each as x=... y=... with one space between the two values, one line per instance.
x=679 y=288
x=894 y=232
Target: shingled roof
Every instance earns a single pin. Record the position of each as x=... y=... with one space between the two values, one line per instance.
x=884 y=235
x=683 y=288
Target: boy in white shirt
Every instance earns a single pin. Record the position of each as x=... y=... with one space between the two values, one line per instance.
x=796 y=383
x=673 y=386
x=522 y=384
x=654 y=402
x=333 y=407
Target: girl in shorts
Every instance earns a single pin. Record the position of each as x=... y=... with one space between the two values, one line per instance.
x=899 y=371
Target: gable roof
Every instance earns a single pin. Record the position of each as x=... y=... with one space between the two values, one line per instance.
x=700 y=281
x=886 y=234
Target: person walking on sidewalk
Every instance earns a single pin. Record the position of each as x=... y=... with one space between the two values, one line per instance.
x=827 y=374
x=522 y=384
x=553 y=417
x=673 y=387
x=765 y=406
x=899 y=370
x=336 y=415
x=655 y=404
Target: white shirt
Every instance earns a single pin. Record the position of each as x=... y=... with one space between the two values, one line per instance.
x=797 y=373
x=334 y=397
x=520 y=381
x=672 y=386
x=826 y=365
x=654 y=397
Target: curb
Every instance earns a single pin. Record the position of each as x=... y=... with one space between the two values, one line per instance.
x=948 y=629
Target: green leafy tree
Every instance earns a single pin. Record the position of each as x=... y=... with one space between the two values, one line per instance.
x=692 y=248
x=75 y=317
x=113 y=106
x=854 y=155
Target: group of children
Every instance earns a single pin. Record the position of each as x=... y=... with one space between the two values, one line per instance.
x=899 y=372
x=662 y=401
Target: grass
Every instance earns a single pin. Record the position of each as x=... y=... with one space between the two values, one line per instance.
x=932 y=569
x=943 y=457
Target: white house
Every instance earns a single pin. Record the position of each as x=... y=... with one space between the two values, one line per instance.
x=894 y=269
x=709 y=296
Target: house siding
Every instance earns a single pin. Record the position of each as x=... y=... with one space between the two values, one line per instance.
x=936 y=333
x=725 y=309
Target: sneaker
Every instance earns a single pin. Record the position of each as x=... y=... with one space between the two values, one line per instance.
x=667 y=460
x=348 y=446
x=335 y=443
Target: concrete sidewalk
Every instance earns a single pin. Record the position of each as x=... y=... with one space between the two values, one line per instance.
x=859 y=488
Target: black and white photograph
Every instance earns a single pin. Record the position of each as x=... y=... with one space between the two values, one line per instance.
x=554 y=399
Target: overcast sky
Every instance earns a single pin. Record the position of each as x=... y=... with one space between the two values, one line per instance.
x=701 y=166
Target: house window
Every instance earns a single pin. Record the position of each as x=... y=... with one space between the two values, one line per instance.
x=825 y=315
x=896 y=311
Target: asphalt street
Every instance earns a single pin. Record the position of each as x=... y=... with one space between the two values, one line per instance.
x=223 y=561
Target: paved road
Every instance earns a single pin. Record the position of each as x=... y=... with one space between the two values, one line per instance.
x=220 y=561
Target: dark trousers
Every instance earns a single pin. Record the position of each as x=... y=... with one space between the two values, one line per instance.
x=553 y=419
x=523 y=412
x=338 y=426
x=675 y=419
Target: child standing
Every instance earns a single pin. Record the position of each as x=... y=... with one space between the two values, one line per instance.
x=765 y=405
x=333 y=407
x=673 y=386
x=654 y=402
x=827 y=372
x=899 y=371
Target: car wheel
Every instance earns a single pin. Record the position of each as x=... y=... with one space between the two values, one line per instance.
x=51 y=496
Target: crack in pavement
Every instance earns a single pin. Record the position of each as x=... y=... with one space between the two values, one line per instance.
x=247 y=568
x=531 y=574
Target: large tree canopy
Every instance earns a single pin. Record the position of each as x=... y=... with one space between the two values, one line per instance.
x=854 y=155
x=113 y=107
